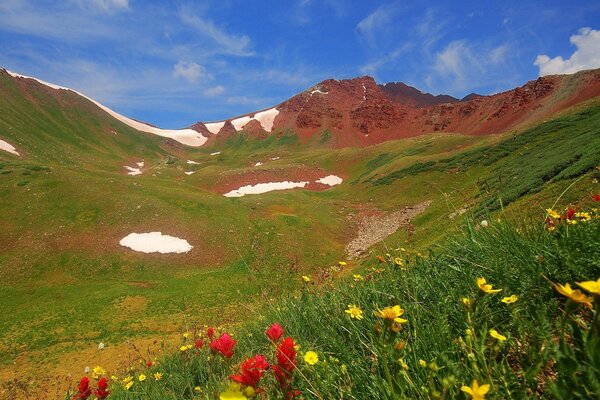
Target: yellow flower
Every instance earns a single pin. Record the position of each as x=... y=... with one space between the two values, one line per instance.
x=186 y=335
x=128 y=385
x=97 y=372
x=399 y=262
x=392 y=314
x=469 y=332
x=511 y=299
x=477 y=392
x=306 y=278
x=157 y=376
x=590 y=286
x=249 y=392
x=311 y=357
x=422 y=363
x=585 y=217
x=574 y=295
x=466 y=301
x=198 y=389
x=233 y=393
x=142 y=377
x=357 y=277
x=183 y=348
x=494 y=333
x=354 y=311
x=403 y=364
x=552 y=213
x=342 y=263
x=127 y=382
x=484 y=286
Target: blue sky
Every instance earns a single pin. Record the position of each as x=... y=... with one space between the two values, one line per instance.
x=172 y=63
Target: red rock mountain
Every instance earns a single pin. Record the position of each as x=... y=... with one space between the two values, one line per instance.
x=359 y=112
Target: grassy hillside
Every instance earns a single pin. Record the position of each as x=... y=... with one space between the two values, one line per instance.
x=67 y=202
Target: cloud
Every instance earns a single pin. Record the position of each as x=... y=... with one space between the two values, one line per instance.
x=376 y=21
x=229 y=43
x=587 y=55
x=190 y=71
x=244 y=100
x=373 y=66
x=109 y=5
x=214 y=91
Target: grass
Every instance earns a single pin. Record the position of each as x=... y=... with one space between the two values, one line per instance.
x=431 y=356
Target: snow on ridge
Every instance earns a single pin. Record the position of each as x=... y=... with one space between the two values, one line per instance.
x=155 y=242
x=8 y=147
x=214 y=127
x=317 y=91
x=184 y=136
x=266 y=118
x=239 y=123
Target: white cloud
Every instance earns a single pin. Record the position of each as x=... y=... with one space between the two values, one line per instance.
x=214 y=91
x=190 y=71
x=375 y=21
x=111 y=5
x=587 y=55
x=373 y=66
x=229 y=43
x=498 y=55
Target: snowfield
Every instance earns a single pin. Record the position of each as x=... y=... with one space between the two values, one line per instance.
x=8 y=147
x=330 y=180
x=259 y=188
x=155 y=242
x=184 y=136
x=214 y=127
x=265 y=118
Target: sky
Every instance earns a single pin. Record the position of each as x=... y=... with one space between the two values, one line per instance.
x=172 y=63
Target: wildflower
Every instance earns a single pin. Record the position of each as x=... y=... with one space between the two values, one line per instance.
x=422 y=363
x=496 y=335
x=274 y=332
x=484 y=224
x=198 y=389
x=477 y=392
x=585 y=217
x=100 y=346
x=305 y=278
x=97 y=372
x=552 y=213
x=149 y=363
x=484 y=286
x=403 y=364
x=570 y=214
x=311 y=358
x=596 y=197
x=510 y=299
x=127 y=382
x=400 y=346
x=86 y=370
x=199 y=343
x=342 y=263
x=399 y=262
x=380 y=259
x=469 y=332
x=142 y=377
x=210 y=332
x=252 y=370
x=391 y=314
x=286 y=362
x=184 y=348
x=466 y=301
x=186 y=335
x=357 y=277
x=158 y=376
x=574 y=295
x=591 y=286
x=101 y=393
x=233 y=392
x=224 y=345
x=83 y=390
x=354 y=312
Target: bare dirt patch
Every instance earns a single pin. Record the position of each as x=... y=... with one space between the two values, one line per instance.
x=373 y=229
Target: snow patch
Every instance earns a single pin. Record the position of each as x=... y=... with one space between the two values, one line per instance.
x=364 y=92
x=155 y=242
x=132 y=170
x=266 y=118
x=239 y=123
x=216 y=153
x=263 y=188
x=258 y=164
x=317 y=91
x=330 y=180
x=274 y=158
x=184 y=136
x=189 y=172
x=192 y=162
x=214 y=127
x=140 y=164
x=8 y=147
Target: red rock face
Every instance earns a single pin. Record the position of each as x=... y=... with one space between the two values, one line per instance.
x=358 y=112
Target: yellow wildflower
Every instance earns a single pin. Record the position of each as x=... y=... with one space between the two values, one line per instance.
x=486 y=287
x=403 y=364
x=127 y=382
x=249 y=392
x=157 y=376
x=354 y=311
x=574 y=295
x=311 y=357
x=591 y=286
x=469 y=332
x=233 y=393
x=357 y=277
x=342 y=263
x=510 y=299
x=392 y=314
x=97 y=372
x=399 y=262
x=183 y=348
x=496 y=335
x=585 y=217
x=466 y=301
x=142 y=377
x=198 y=389
x=552 y=213
x=422 y=363
x=186 y=335
x=477 y=392
x=306 y=278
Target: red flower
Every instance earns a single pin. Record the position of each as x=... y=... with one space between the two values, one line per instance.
x=101 y=393
x=597 y=197
x=570 y=213
x=223 y=345
x=149 y=363
x=275 y=332
x=286 y=354
x=210 y=332
x=293 y=393
x=199 y=344
x=83 y=390
x=252 y=370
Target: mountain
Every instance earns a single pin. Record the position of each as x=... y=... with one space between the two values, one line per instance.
x=403 y=94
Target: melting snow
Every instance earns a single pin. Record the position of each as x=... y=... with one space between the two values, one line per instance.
x=155 y=242
x=216 y=153
x=214 y=127
x=192 y=162
x=263 y=188
x=185 y=136
x=239 y=123
x=364 y=92
x=189 y=172
x=317 y=91
x=258 y=164
x=330 y=180
x=274 y=158
x=266 y=119
x=8 y=147
x=140 y=164
x=132 y=170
